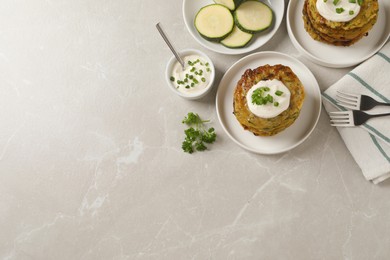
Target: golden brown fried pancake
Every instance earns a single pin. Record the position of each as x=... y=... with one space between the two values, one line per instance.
x=268 y=126
x=339 y=33
x=316 y=35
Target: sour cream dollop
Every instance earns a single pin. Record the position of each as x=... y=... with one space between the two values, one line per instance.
x=280 y=98
x=194 y=77
x=338 y=10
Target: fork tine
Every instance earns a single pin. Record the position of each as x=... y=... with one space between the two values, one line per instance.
x=341 y=124
x=350 y=106
x=346 y=113
x=347 y=100
x=347 y=95
x=341 y=118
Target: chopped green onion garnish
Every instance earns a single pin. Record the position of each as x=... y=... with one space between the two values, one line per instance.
x=187 y=86
x=351 y=12
x=278 y=93
x=339 y=10
x=258 y=97
x=335 y=2
x=276 y=104
x=352 y=1
x=203 y=79
x=193 y=69
x=360 y=2
x=172 y=78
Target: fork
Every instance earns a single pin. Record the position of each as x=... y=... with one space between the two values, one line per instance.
x=357 y=102
x=351 y=118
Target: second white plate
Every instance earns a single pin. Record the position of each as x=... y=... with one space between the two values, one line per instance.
x=290 y=137
x=191 y=8
x=337 y=56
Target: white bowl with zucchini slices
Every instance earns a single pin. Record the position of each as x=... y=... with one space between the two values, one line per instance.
x=196 y=79
x=232 y=26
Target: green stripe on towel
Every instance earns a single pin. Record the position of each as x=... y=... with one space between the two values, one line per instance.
x=387 y=139
x=381 y=54
x=365 y=84
x=380 y=148
x=334 y=102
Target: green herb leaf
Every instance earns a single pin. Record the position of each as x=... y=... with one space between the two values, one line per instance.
x=196 y=135
x=199 y=146
x=187 y=147
x=191 y=119
x=209 y=136
x=192 y=134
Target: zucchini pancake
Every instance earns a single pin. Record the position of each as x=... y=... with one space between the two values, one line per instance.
x=351 y=20
x=281 y=81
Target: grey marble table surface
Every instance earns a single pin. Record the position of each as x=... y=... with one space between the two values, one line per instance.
x=91 y=165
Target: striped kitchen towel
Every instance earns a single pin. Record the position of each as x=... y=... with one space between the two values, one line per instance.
x=369 y=144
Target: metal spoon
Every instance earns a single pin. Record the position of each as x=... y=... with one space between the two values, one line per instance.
x=170 y=45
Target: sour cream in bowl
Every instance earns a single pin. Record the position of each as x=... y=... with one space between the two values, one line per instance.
x=197 y=78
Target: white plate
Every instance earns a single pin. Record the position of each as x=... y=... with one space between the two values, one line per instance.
x=290 y=137
x=191 y=8
x=337 y=56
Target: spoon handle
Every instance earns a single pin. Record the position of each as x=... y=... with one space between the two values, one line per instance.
x=170 y=45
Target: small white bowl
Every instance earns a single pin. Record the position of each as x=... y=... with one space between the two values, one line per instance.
x=198 y=94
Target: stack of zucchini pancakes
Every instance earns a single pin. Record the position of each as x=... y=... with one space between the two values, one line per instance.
x=340 y=33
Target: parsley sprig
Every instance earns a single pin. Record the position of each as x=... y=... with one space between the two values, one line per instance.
x=197 y=134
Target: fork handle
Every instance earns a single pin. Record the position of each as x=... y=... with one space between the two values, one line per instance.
x=379 y=115
x=383 y=104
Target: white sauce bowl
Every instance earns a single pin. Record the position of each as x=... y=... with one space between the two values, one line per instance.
x=198 y=94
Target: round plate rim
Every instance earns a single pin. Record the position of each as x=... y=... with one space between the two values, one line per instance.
x=290 y=12
x=260 y=54
x=235 y=51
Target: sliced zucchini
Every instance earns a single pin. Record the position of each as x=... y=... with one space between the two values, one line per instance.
x=214 y=22
x=231 y=4
x=237 y=38
x=253 y=16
